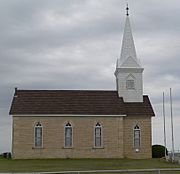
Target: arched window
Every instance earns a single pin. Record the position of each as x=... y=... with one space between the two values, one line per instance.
x=68 y=135
x=38 y=135
x=98 y=135
x=137 y=137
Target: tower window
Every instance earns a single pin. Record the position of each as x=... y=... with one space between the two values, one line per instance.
x=130 y=84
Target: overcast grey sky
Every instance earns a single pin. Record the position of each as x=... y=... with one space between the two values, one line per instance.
x=74 y=44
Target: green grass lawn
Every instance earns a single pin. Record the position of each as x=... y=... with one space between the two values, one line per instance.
x=9 y=165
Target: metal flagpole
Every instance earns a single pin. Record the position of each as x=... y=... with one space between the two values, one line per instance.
x=164 y=128
x=172 y=126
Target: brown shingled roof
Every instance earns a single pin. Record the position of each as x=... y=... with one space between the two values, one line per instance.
x=85 y=102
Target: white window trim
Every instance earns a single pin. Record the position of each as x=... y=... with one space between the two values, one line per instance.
x=102 y=144
x=69 y=147
x=38 y=147
x=139 y=137
x=129 y=78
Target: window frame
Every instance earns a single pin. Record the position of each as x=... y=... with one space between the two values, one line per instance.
x=38 y=125
x=98 y=125
x=130 y=84
x=139 y=139
x=68 y=125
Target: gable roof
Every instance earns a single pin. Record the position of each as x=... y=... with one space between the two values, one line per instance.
x=81 y=102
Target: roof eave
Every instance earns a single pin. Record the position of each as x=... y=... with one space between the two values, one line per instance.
x=68 y=115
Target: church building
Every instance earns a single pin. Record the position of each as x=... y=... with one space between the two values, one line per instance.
x=86 y=123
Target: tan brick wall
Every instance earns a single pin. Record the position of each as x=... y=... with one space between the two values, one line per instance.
x=53 y=137
x=118 y=130
x=145 y=126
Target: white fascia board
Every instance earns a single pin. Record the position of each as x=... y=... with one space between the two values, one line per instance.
x=65 y=115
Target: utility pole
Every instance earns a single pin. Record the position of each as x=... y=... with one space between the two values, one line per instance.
x=172 y=126
x=164 y=128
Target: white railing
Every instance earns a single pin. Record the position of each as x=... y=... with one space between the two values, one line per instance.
x=157 y=171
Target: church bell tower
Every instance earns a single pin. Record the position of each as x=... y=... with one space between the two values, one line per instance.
x=129 y=72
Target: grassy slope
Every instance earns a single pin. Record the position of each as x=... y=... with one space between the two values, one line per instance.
x=79 y=164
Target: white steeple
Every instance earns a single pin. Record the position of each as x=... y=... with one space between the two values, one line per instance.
x=128 y=48
x=128 y=69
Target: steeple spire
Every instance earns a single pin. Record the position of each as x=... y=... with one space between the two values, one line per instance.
x=128 y=48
